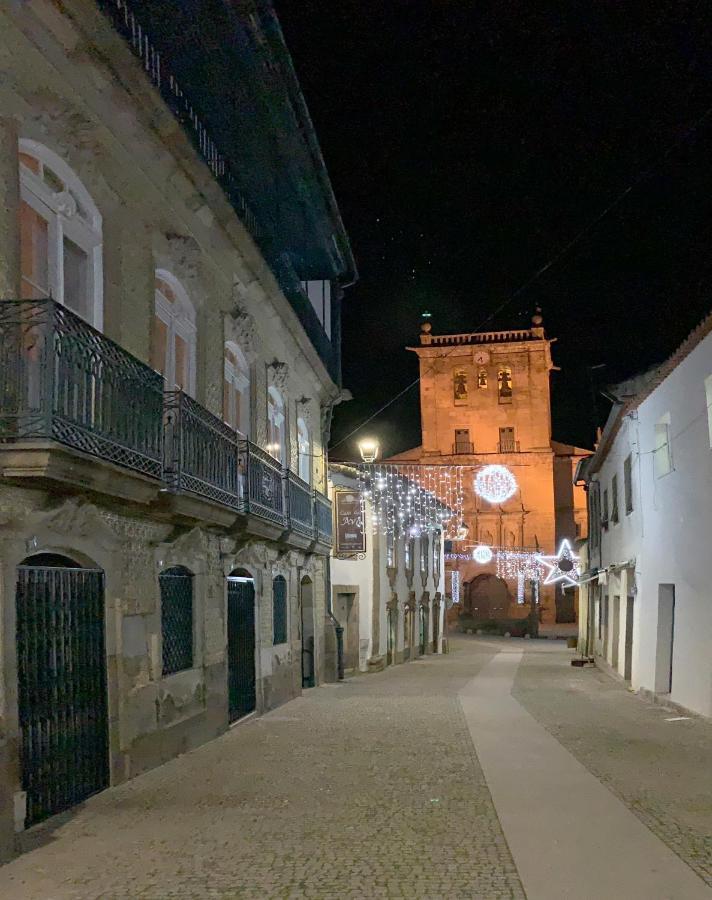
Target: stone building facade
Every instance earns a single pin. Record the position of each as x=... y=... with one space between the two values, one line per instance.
x=390 y=598
x=168 y=368
x=485 y=399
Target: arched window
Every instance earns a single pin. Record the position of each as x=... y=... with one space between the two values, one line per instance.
x=482 y=379
x=304 y=451
x=276 y=427
x=60 y=235
x=459 y=386
x=236 y=389
x=504 y=384
x=176 y=586
x=174 y=334
x=279 y=610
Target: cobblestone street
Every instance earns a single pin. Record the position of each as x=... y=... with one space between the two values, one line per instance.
x=370 y=788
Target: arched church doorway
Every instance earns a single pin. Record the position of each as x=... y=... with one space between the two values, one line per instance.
x=487 y=598
x=61 y=676
x=241 y=676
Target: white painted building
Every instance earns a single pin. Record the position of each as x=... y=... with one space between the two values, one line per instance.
x=388 y=597
x=650 y=519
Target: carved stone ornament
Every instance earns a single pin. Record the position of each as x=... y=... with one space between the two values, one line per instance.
x=240 y=327
x=279 y=375
x=425 y=600
x=191 y=545
x=76 y=519
x=393 y=602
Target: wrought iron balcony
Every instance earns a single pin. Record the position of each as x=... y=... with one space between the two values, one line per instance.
x=202 y=454
x=301 y=506
x=61 y=380
x=324 y=519
x=265 y=484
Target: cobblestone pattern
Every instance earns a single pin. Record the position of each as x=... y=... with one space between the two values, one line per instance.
x=368 y=789
x=659 y=769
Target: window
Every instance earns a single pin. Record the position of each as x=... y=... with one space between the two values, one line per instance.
x=604 y=511
x=506 y=440
x=176 y=589
x=60 y=235
x=424 y=553
x=276 y=427
x=279 y=610
x=628 y=484
x=504 y=384
x=437 y=548
x=708 y=400
x=236 y=389
x=462 y=441
x=661 y=454
x=409 y=553
x=174 y=335
x=390 y=549
x=614 y=499
x=482 y=379
x=459 y=386
x=594 y=514
x=303 y=451
x=319 y=294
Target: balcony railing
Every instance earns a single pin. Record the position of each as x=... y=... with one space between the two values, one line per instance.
x=265 y=484
x=509 y=445
x=202 y=454
x=466 y=447
x=301 y=505
x=62 y=380
x=324 y=519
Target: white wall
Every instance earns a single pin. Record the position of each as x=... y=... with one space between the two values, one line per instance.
x=677 y=512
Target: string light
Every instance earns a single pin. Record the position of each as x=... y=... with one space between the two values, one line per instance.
x=564 y=566
x=511 y=563
x=495 y=483
x=455 y=586
x=482 y=554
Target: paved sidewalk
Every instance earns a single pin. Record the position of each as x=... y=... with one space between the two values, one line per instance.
x=372 y=789
x=367 y=789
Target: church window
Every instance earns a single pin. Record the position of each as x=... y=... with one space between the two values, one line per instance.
x=482 y=379
x=459 y=386
x=504 y=384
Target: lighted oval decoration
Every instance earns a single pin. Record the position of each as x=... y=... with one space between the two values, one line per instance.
x=482 y=554
x=495 y=484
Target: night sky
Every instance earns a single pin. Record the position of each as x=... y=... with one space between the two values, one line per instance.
x=469 y=142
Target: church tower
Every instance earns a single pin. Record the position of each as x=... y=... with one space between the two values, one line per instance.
x=485 y=399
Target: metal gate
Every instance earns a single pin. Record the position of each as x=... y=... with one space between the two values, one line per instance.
x=62 y=704
x=240 y=647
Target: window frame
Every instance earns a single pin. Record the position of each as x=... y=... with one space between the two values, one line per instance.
x=604 y=509
x=54 y=208
x=179 y=319
x=304 y=451
x=662 y=423
x=176 y=571
x=237 y=381
x=276 y=425
x=614 y=499
x=628 y=484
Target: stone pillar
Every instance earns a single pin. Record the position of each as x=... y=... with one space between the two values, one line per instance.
x=10 y=266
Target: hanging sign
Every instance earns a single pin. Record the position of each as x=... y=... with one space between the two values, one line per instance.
x=350 y=531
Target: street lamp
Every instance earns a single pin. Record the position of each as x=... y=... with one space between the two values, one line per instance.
x=369 y=449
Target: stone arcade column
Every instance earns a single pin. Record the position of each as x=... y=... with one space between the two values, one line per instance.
x=10 y=268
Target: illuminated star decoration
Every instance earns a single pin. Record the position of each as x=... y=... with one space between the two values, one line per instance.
x=482 y=554
x=564 y=566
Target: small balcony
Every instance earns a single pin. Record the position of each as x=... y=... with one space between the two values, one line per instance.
x=463 y=448
x=324 y=519
x=265 y=495
x=508 y=445
x=301 y=506
x=65 y=385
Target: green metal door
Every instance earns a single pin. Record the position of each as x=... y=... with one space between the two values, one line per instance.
x=242 y=697
x=62 y=703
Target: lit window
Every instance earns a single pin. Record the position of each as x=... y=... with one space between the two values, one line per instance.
x=390 y=549
x=236 y=389
x=276 y=429
x=482 y=379
x=60 y=235
x=174 y=334
x=303 y=451
x=661 y=453
x=424 y=553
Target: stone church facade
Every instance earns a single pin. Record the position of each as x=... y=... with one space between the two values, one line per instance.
x=485 y=399
x=166 y=386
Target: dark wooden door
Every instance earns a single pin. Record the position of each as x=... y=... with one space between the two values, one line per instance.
x=242 y=696
x=61 y=671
